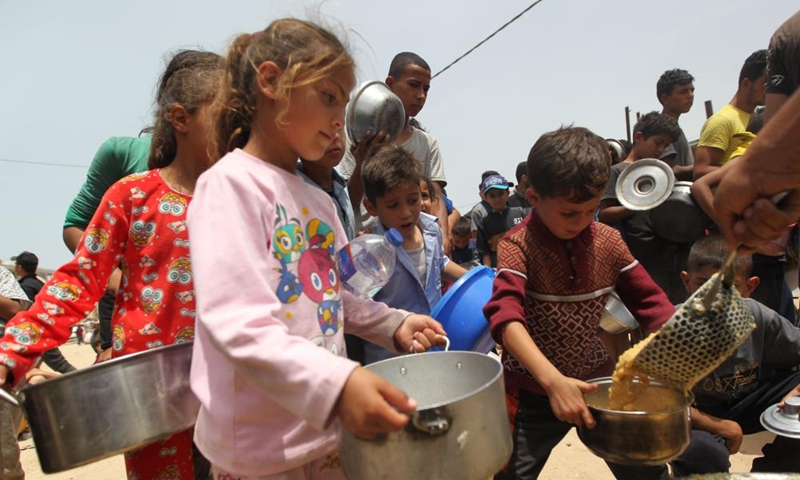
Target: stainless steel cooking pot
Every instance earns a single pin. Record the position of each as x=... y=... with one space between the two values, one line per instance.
x=656 y=431
x=460 y=430
x=376 y=108
x=109 y=408
x=679 y=219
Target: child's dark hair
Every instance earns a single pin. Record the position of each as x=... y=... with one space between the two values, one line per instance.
x=571 y=162
x=754 y=66
x=756 y=120
x=389 y=167
x=404 y=59
x=190 y=80
x=305 y=53
x=462 y=228
x=655 y=123
x=671 y=79
x=712 y=251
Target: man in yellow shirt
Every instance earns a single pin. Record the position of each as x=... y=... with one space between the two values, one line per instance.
x=715 y=146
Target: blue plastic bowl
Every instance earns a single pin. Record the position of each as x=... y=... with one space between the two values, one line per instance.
x=460 y=311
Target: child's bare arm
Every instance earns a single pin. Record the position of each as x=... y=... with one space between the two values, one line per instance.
x=703 y=190
x=565 y=393
x=611 y=211
x=727 y=429
x=453 y=272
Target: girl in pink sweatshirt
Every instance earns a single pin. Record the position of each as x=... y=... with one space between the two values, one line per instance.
x=269 y=366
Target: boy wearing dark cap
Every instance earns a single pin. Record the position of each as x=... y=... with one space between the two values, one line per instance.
x=517 y=197
x=25 y=269
x=497 y=222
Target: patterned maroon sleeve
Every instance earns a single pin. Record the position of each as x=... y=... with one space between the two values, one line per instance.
x=646 y=301
x=508 y=291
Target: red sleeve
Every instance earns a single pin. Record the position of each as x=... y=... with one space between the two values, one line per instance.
x=74 y=289
x=646 y=301
x=508 y=290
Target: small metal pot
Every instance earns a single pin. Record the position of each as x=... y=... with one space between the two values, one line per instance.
x=109 y=408
x=679 y=219
x=376 y=108
x=651 y=436
x=616 y=316
x=459 y=431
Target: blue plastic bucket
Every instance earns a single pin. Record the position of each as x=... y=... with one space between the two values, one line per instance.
x=460 y=311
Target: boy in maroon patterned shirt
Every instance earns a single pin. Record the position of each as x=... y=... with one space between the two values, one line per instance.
x=554 y=274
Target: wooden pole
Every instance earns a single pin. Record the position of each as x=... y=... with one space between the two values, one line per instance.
x=709 y=109
x=628 y=123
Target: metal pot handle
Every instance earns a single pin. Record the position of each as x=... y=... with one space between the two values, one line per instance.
x=9 y=397
x=446 y=344
x=432 y=422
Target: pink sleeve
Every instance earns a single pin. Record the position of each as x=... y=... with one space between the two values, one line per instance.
x=74 y=289
x=237 y=308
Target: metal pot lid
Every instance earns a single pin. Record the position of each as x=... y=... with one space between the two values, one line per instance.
x=645 y=184
x=783 y=421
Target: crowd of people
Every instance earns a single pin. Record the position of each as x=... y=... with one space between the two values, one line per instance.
x=248 y=154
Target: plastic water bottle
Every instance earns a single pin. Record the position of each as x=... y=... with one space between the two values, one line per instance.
x=367 y=262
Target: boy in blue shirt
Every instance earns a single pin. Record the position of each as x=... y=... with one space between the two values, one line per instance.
x=391 y=189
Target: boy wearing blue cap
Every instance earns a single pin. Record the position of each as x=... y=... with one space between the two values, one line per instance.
x=497 y=222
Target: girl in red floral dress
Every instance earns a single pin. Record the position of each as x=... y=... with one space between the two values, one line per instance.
x=140 y=226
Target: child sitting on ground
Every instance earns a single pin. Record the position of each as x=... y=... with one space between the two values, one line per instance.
x=499 y=220
x=392 y=194
x=730 y=401
x=554 y=274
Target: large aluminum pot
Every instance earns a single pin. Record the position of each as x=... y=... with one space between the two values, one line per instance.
x=656 y=431
x=109 y=408
x=679 y=219
x=376 y=108
x=460 y=430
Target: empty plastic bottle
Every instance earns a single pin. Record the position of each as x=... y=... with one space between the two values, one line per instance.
x=367 y=262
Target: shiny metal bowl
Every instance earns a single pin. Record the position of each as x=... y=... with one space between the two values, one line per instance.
x=616 y=316
x=656 y=431
x=376 y=108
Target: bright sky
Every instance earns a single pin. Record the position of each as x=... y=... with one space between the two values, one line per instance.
x=77 y=72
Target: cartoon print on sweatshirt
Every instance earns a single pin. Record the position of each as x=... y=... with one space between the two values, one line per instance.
x=317 y=273
x=288 y=244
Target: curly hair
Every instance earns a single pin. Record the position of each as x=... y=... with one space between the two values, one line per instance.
x=655 y=123
x=571 y=162
x=671 y=79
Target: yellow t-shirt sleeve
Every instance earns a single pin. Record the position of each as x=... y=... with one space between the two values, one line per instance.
x=716 y=133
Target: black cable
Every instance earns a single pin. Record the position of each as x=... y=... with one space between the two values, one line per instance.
x=28 y=162
x=537 y=2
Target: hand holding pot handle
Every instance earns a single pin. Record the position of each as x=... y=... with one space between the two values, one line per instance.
x=418 y=333
x=369 y=405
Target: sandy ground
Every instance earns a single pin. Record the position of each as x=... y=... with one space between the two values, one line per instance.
x=570 y=459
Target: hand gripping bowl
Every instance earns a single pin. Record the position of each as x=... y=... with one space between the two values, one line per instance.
x=376 y=108
x=109 y=408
